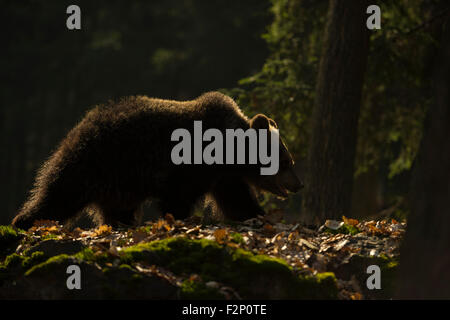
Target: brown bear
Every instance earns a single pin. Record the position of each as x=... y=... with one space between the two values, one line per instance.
x=119 y=156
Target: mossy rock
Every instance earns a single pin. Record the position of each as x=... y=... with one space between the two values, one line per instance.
x=52 y=247
x=35 y=275
x=124 y=282
x=357 y=266
x=253 y=276
x=15 y=265
x=9 y=239
x=47 y=280
x=198 y=290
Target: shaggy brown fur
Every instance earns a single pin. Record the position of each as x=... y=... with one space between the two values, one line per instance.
x=119 y=155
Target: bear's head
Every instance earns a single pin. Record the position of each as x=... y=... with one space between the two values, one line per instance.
x=285 y=179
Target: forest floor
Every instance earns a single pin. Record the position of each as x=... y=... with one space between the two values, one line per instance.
x=262 y=258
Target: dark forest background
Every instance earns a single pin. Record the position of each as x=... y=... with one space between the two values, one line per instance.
x=51 y=76
x=266 y=54
x=366 y=113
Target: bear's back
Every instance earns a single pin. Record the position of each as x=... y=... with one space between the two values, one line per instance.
x=208 y=105
x=138 y=123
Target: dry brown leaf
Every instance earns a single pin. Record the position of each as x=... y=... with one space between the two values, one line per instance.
x=348 y=221
x=45 y=223
x=103 y=230
x=356 y=296
x=220 y=235
x=194 y=277
x=293 y=236
x=52 y=229
x=139 y=236
x=169 y=218
x=268 y=229
x=161 y=224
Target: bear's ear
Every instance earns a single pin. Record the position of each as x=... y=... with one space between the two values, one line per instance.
x=259 y=121
x=273 y=123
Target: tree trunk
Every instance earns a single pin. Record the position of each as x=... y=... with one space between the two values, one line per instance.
x=425 y=256
x=335 y=118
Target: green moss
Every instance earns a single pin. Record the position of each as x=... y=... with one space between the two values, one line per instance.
x=236 y=237
x=254 y=276
x=9 y=238
x=15 y=261
x=145 y=229
x=320 y=286
x=41 y=267
x=345 y=229
x=126 y=266
x=191 y=290
x=8 y=232
x=89 y=255
x=35 y=258
x=49 y=236
x=15 y=264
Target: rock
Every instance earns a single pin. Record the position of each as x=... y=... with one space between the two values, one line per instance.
x=54 y=247
x=48 y=281
x=356 y=266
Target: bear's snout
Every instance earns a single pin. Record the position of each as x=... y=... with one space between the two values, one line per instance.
x=296 y=185
x=289 y=181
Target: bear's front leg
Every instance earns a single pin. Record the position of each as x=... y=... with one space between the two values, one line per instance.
x=236 y=199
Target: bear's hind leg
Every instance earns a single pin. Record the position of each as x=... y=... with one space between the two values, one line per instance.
x=58 y=205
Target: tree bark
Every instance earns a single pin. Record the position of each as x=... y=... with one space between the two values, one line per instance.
x=425 y=255
x=331 y=156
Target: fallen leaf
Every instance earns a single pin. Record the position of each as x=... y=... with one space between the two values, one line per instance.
x=356 y=296
x=341 y=244
x=138 y=236
x=45 y=223
x=351 y=222
x=169 y=218
x=193 y=230
x=220 y=235
x=306 y=243
x=333 y=224
x=293 y=236
x=194 y=277
x=103 y=230
x=268 y=229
